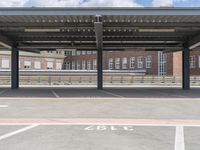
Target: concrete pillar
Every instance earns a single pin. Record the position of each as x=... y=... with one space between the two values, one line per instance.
x=15 y=68
x=186 y=68
x=100 y=69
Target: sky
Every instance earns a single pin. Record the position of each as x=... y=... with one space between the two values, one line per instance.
x=99 y=3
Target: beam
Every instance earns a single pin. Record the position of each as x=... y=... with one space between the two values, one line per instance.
x=92 y=11
x=15 y=68
x=98 y=25
x=186 y=68
x=194 y=42
x=5 y=41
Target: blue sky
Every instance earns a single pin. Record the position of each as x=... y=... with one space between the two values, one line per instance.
x=99 y=3
x=175 y=3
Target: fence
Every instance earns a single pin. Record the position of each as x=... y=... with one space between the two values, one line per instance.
x=92 y=79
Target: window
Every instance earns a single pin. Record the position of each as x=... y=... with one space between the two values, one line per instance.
x=162 y=63
x=78 y=65
x=58 y=65
x=94 y=52
x=73 y=65
x=5 y=63
x=73 y=53
x=67 y=65
x=89 y=52
x=49 y=65
x=192 y=62
x=117 y=63
x=89 y=66
x=58 y=51
x=27 y=64
x=78 y=52
x=124 y=63
x=49 y=52
x=94 y=64
x=132 y=63
x=68 y=53
x=148 y=61
x=37 y=65
x=83 y=52
x=110 y=64
x=83 y=65
x=140 y=62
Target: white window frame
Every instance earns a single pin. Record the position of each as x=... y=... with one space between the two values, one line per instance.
x=37 y=64
x=140 y=62
x=89 y=65
x=132 y=63
x=149 y=61
x=83 y=65
x=5 y=63
x=58 y=66
x=49 y=65
x=94 y=64
x=110 y=64
x=78 y=65
x=192 y=62
x=27 y=64
x=117 y=63
x=124 y=63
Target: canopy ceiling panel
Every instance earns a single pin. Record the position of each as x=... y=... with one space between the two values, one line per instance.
x=122 y=28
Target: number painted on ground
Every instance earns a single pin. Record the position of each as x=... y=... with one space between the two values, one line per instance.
x=111 y=128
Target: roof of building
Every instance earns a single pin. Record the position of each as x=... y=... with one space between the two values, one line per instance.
x=106 y=28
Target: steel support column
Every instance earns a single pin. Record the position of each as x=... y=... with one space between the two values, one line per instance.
x=15 y=68
x=186 y=68
x=99 y=40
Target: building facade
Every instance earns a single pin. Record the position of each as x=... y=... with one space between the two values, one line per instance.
x=149 y=62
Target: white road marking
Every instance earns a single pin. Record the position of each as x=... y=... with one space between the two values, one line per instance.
x=90 y=121
x=3 y=106
x=113 y=94
x=3 y=91
x=55 y=94
x=103 y=98
x=179 y=138
x=5 y=136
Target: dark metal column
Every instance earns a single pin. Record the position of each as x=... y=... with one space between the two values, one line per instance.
x=100 y=69
x=15 y=68
x=99 y=41
x=186 y=68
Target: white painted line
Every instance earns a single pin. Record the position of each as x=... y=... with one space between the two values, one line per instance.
x=179 y=138
x=113 y=94
x=55 y=94
x=5 y=136
x=3 y=106
x=3 y=91
x=90 y=121
x=102 y=98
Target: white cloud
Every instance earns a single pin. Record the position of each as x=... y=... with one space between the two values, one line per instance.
x=116 y=3
x=69 y=3
x=157 y=3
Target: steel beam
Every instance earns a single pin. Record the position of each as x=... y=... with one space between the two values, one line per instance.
x=92 y=11
x=99 y=42
x=5 y=41
x=186 y=67
x=15 y=68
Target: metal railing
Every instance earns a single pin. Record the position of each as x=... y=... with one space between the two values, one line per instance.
x=108 y=80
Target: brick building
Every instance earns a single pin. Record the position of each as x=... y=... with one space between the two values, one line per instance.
x=151 y=62
x=41 y=61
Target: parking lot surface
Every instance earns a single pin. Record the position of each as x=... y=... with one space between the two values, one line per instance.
x=111 y=119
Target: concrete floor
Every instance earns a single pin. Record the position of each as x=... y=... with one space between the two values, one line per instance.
x=156 y=104
x=140 y=92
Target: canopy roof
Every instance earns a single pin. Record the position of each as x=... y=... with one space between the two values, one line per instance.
x=93 y=28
